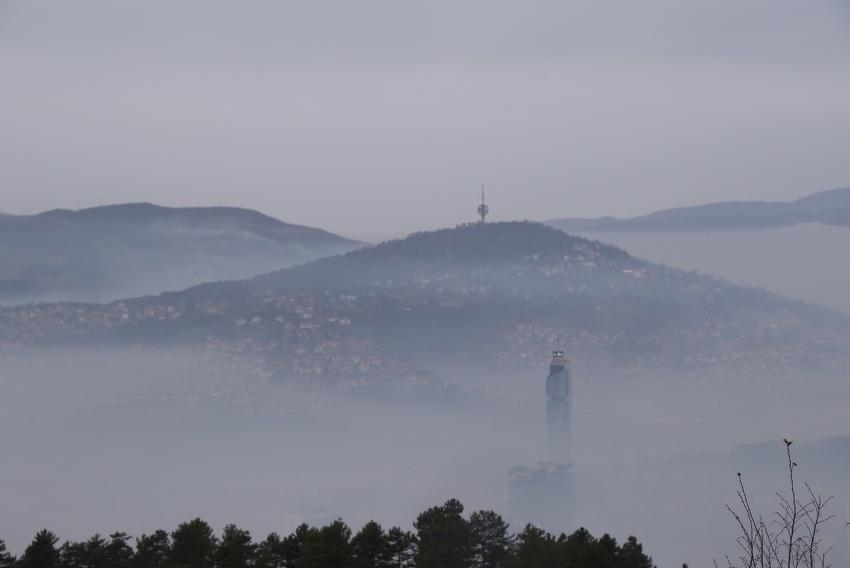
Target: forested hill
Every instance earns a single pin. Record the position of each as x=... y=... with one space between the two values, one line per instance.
x=830 y=207
x=496 y=295
x=103 y=253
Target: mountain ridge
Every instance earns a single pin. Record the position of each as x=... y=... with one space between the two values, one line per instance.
x=147 y=212
x=830 y=207
x=131 y=249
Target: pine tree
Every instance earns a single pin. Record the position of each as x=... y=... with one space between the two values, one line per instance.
x=271 y=553
x=631 y=555
x=370 y=547
x=535 y=548
x=295 y=544
x=444 y=537
x=89 y=554
x=606 y=552
x=193 y=545
x=152 y=551
x=117 y=553
x=6 y=559
x=492 y=542
x=580 y=548
x=96 y=551
x=74 y=555
x=42 y=552
x=328 y=547
x=401 y=548
x=236 y=549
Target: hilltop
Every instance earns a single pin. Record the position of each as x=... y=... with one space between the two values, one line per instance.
x=830 y=207
x=224 y=219
x=138 y=248
x=500 y=295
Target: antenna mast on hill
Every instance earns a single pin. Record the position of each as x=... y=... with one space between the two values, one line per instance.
x=483 y=209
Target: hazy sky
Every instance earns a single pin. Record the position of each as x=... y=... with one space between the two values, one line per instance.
x=373 y=118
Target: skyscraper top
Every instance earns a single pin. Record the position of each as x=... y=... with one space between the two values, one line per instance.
x=483 y=209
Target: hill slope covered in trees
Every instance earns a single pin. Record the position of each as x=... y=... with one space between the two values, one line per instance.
x=491 y=295
x=139 y=248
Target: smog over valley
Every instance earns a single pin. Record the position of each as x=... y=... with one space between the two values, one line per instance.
x=424 y=285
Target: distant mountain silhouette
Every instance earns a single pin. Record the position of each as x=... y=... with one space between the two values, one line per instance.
x=500 y=295
x=138 y=248
x=828 y=207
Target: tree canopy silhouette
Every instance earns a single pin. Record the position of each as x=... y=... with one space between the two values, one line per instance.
x=443 y=537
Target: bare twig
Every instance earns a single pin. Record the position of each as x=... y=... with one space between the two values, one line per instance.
x=793 y=537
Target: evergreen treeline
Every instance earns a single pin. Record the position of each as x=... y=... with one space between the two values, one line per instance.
x=443 y=538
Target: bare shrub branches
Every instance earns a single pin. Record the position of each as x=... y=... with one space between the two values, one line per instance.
x=791 y=537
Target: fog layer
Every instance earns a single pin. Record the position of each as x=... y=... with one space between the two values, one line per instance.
x=138 y=440
x=804 y=261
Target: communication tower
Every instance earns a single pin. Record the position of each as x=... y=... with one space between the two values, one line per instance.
x=483 y=210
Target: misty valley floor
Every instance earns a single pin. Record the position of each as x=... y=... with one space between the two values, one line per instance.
x=653 y=458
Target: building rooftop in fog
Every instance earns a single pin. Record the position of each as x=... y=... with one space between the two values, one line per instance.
x=539 y=472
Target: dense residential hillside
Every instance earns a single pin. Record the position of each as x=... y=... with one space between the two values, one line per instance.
x=830 y=207
x=116 y=251
x=501 y=294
